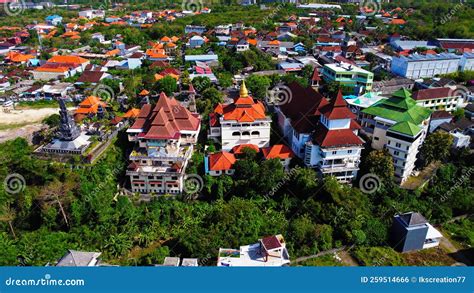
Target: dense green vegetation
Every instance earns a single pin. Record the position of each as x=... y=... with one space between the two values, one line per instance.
x=78 y=208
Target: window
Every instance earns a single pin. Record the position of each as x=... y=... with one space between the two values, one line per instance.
x=236 y=133
x=398 y=145
x=396 y=153
x=376 y=138
x=334 y=152
x=349 y=151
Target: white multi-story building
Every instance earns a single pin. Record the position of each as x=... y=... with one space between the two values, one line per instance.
x=164 y=137
x=467 y=62
x=424 y=66
x=322 y=134
x=399 y=125
x=443 y=98
x=335 y=148
x=242 y=122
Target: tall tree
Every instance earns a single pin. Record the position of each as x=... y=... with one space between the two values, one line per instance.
x=436 y=146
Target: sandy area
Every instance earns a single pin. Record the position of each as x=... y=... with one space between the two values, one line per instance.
x=28 y=120
x=25 y=132
x=26 y=116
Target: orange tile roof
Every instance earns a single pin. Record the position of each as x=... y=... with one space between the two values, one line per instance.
x=144 y=93
x=90 y=105
x=398 y=21
x=52 y=69
x=67 y=59
x=221 y=161
x=239 y=148
x=252 y=42
x=278 y=151
x=132 y=113
x=18 y=57
x=113 y=52
x=165 y=39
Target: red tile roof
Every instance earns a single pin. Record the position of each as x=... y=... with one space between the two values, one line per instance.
x=221 y=161
x=271 y=242
x=337 y=109
x=166 y=120
x=278 y=151
x=244 y=109
x=239 y=148
x=336 y=138
x=303 y=108
x=433 y=93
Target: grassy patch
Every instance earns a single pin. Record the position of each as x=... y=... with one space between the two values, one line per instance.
x=323 y=261
x=378 y=256
x=462 y=232
x=13 y=126
x=428 y=257
x=40 y=105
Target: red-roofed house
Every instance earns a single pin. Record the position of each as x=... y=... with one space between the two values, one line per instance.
x=220 y=163
x=60 y=67
x=279 y=151
x=164 y=136
x=242 y=122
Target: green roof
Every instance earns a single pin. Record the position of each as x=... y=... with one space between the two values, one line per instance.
x=406 y=127
x=400 y=107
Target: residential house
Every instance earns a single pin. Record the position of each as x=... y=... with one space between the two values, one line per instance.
x=54 y=20
x=220 y=163
x=280 y=152
x=412 y=232
x=90 y=14
x=60 y=67
x=268 y=252
x=196 y=41
x=438 y=118
x=75 y=258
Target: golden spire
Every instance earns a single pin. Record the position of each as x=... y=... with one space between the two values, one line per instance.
x=243 y=90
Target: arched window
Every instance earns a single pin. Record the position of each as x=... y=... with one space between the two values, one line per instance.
x=255 y=133
x=246 y=133
x=236 y=133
